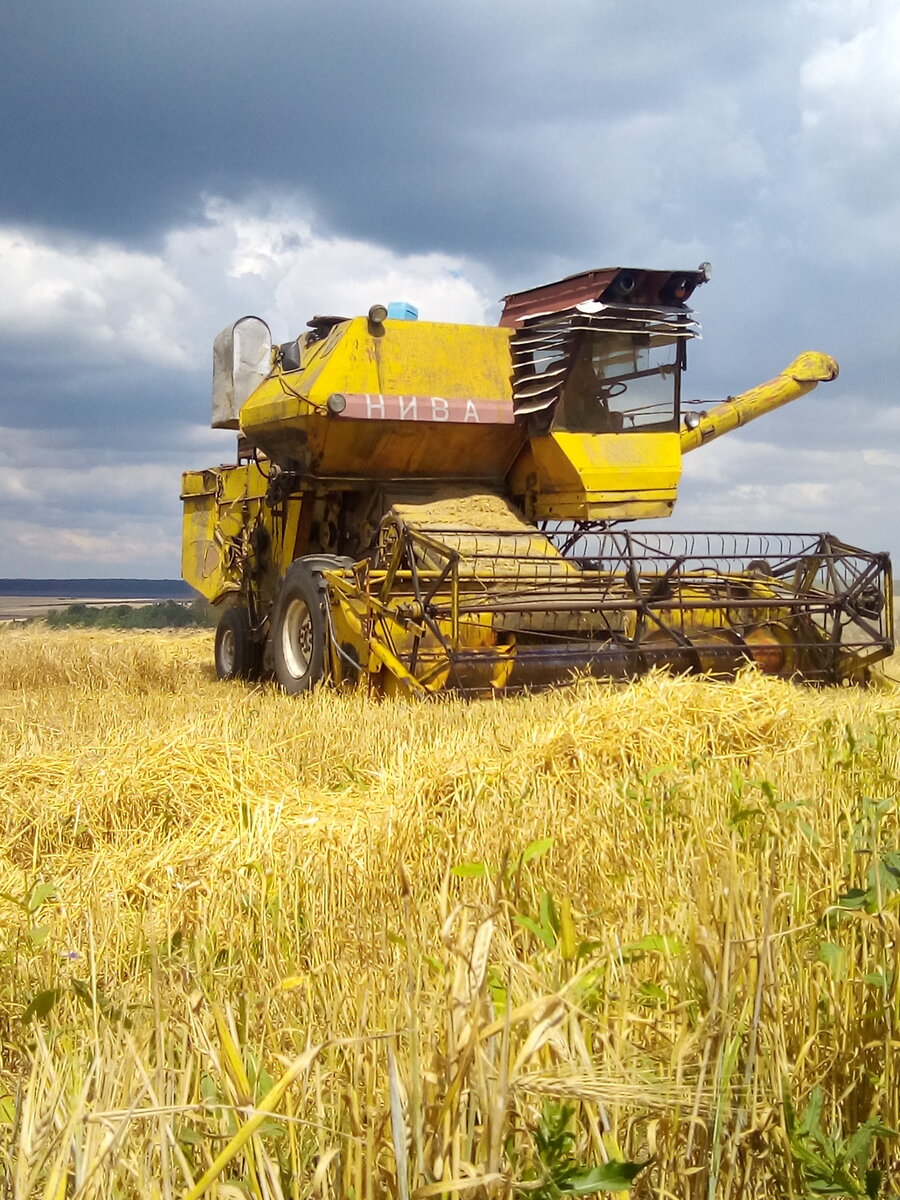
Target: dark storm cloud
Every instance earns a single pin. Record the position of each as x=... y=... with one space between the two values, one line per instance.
x=419 y=124
x=105 y=415
x=167 y=167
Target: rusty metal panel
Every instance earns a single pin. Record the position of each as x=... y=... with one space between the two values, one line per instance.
x=617 y=285
x=553 y=297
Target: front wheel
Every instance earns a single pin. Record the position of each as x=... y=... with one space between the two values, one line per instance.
x=238 y=656
x=298 y=631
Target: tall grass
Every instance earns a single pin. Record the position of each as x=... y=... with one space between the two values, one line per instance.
x=279 y=947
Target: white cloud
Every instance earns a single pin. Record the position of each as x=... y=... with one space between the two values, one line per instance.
x=87 y=519
x=143 y=549
x=880 y=458
x=736 y=483
x=97 y=486
x=98 y=300
x=307 y=272
x=849 y=133
x=120 y=315
x=849 y=82
x=108 y=304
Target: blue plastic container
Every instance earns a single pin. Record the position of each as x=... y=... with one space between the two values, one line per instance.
x=399 y=310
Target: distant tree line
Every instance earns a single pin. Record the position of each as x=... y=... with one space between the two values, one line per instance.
x=167 y=614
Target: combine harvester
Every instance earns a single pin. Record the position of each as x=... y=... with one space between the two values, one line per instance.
x=432 y=506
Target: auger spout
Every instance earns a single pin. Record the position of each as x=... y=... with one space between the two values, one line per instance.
x=804 y=373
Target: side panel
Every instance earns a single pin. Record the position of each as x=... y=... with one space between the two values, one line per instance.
x=221 y=507
x=576 y=476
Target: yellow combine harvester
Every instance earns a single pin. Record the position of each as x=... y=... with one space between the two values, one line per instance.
x=426 y=506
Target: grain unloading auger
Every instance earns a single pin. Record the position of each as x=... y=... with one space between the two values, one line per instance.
x=426 y=506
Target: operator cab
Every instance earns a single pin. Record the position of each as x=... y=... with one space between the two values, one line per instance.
x=619 y=382
x=603 y=351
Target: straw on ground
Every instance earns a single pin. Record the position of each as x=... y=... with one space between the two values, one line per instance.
x=537 y=942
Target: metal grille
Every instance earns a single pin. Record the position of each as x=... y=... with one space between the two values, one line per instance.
x=542 y=348
x=516 y=608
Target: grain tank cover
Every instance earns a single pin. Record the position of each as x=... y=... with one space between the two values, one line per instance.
x=242 y=358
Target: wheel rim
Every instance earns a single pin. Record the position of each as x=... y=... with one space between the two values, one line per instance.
x=297 y=637
x=227 y=651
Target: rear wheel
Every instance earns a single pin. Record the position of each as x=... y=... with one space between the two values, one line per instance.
x=238 y=656
x=298 y=631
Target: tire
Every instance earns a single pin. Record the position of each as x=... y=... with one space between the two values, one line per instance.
x=238 y=656
x=299 y=634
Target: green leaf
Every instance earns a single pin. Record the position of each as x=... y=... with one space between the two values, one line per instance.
x=737 y=783
x=878 y=980
x=790 y=1117
x=499 y=995
x=7 y=1110
x=802 y=1154
x=744 y=814
x=833 y=1187
x=654 y=943
x=835 y=957
x=38 y=934
x=810 y=1122
x=609 y=1177
x=95 y=999
x=859 y=1147
x=882 y=1131
x=882 y=876
x=40 y=894
x=273 y=1129
x=651 y=994
x=549 y=914
x=767 y=790
x=473 y=870
x=264 y=1084
x=853 y=898
x=536 y=849
x=84 y=993
x=544 y=935
x=40 y=1005
x=589 y=987
x=809 y=833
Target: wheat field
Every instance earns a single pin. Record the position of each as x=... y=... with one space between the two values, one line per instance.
x=609 y=935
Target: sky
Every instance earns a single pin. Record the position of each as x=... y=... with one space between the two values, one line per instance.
x=168 y=167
